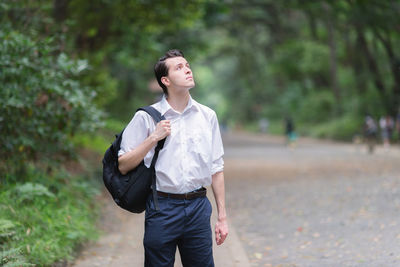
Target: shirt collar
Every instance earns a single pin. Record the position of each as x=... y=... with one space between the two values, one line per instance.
x=165 y=106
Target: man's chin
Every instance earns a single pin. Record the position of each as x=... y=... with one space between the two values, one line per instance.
x=191 y=86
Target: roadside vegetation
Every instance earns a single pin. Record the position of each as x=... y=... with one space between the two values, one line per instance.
x=46 y=216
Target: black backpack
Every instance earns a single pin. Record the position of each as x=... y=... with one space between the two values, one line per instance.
x=130 y=191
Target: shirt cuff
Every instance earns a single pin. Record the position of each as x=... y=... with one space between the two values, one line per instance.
x=121 y=152
x=217 y=166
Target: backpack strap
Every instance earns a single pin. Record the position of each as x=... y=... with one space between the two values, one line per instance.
x=157 y=117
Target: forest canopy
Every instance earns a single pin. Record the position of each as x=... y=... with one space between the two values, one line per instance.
x=322 y=62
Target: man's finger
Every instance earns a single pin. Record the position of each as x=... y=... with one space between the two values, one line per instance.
x=218 y=240
x=219 y=237
x=223 y=237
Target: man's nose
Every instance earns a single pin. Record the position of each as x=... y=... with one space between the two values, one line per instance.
x=188 y=71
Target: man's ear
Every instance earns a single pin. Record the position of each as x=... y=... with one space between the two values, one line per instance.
x=165 y=81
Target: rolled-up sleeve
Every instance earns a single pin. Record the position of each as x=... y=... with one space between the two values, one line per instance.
x=217 y=147
x=135 y=133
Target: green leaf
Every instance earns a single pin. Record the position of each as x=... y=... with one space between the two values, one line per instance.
x=28 y=191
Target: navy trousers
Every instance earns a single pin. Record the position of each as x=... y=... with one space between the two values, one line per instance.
x=179 y=223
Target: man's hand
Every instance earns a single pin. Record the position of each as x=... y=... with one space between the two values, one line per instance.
x=221 y=227
x=221 y=231
x=163 y=129
x=131 y=159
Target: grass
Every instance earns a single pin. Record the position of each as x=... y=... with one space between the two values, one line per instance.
x=45 y=217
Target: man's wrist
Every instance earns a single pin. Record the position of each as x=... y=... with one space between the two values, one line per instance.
x=153 y=139
x=222 y=218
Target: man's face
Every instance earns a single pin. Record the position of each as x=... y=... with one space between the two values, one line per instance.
x=180 y=75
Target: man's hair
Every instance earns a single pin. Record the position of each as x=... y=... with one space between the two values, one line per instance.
x=161 y=69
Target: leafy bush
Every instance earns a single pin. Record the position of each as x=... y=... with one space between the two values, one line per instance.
x=13 y=258
x=44 y=219
x=301 y=60
x=29 y=191
x=343 y=128
x=100 y=141
x=6 y=228
x=316 y=107
x=42 y=102
x=115 y=126
x=97 y=143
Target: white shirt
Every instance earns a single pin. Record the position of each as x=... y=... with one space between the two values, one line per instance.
x=192 y=153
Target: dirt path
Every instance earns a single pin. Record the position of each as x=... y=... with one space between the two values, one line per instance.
x=121 y=242
x=318 y=204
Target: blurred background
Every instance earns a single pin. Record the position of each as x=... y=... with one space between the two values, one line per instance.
x=73 y=72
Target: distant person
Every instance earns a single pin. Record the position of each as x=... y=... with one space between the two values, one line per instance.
x=291 y=136
x=263 y=124
x=370 y=133
x=224 y=126
x=386 y=125
x=398 y=125
x=192 y=158
x=391 y=126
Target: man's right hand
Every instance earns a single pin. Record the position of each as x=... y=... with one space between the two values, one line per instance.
x=163 y=129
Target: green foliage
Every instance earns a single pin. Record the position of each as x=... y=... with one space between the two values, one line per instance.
x=114 y=126
x=101 y=140
x=42 y=102
x=316 y=60
x=28 y=191
x=45 y=218
x=343 y=128
x=6 y=228
x=276 y=127
x=124 y=50
x=301 y=60
x=94 y=142
x=100 y=79
x=13 y=258
x=316 y=107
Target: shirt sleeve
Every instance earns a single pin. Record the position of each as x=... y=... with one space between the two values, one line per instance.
x=135 y=132
x=217 y=147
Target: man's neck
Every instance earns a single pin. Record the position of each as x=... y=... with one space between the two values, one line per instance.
x=178 y=101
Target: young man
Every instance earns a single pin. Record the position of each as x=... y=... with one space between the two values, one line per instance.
x=190 y=160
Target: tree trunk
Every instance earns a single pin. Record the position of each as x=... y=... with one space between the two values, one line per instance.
x=359 y=68
x=60 y=8
x=60 y=13
x=312 y=25
x=395 y=68
x=333 y=59
x=372 y=65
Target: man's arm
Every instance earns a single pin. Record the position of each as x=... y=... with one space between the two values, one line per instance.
x=131 y=159
x=218 y=187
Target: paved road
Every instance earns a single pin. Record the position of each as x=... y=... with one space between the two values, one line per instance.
x=318 y=204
